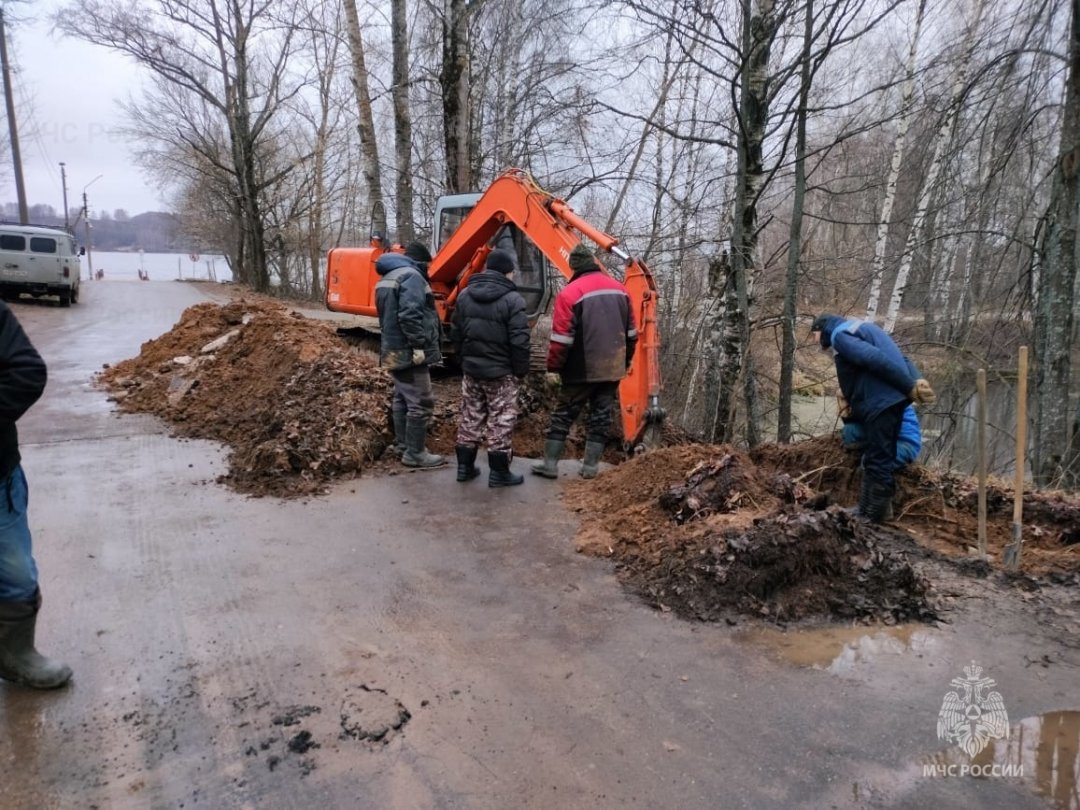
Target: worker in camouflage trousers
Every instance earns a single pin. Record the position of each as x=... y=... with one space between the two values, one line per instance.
x=593 y=337
x=490 y=333
x=22 y=381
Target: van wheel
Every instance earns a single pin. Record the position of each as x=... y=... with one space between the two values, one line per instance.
x=75 y=294
x=65 y=299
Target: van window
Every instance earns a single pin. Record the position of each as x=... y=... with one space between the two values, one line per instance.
x=42 y=244
x=10 y=241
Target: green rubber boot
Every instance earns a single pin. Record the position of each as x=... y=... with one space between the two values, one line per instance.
x=20 y=662
x=549 y=467
x=590 y=465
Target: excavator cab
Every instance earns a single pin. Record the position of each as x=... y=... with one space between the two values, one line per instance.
x=532 y=273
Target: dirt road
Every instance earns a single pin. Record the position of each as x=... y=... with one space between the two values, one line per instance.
x=408 y=642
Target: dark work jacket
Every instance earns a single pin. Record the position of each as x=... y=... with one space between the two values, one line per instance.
x=491 y=332
x=872 y=371
x=22 y=381
x=593 y=333
x=407 y=316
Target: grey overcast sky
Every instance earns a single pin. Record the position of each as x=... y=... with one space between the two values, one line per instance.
x=67 y=93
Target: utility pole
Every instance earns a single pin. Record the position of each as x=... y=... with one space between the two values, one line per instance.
x=89 y=227
x=63 y=183
x=13 y=128
x=89 y=238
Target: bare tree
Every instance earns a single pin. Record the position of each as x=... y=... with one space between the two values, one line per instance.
x=454 y=81
x=1055 y=459
x=402 y=121
x=369 y=146
x=232 y=56
x=894 y=170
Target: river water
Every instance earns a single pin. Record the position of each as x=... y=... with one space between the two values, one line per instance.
x=159 y=266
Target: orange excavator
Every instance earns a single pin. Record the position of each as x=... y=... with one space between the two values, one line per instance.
x=543 y=230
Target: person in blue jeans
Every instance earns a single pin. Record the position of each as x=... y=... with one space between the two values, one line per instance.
x=22 y=381
x=879 y=383
x=908 y=443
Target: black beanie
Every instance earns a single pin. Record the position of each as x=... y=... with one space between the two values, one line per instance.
x=581 y=259
x=418 y=252
x=501 y=261
x=821 y=324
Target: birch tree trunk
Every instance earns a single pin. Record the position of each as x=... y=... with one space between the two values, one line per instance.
x=1057 y=456
x=369 y=149
x=791 y=284
x=942 y=139
x=754 y=115
x=454 y=82
x=881 y=244
x=399 y=33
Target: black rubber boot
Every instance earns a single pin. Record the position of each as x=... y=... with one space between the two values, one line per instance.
x=879 y=506
x=549 y=467
x=19 y=662
x=590 y=465
x=466 y=463
x=500 y=475
x=416 y=455
x=398 y=419
x=858 y=512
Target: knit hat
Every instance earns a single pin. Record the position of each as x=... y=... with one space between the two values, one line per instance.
x=581 y=258
x=821 y=324
x=418 y=252
x=501 y=261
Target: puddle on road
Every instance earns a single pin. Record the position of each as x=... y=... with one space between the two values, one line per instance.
x=1042 y=752
x=839 y=649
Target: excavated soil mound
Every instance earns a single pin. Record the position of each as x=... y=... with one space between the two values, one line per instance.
x=705 y=532
x=789 y=566
x=705 y=529
x=297 y=405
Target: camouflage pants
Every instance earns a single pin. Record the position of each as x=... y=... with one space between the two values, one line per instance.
x=490 y=404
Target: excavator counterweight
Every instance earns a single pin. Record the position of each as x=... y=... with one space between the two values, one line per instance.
x=552 y=226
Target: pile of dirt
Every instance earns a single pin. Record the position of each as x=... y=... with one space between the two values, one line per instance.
x=791 y=565
x=706 y=530
x=297 y=406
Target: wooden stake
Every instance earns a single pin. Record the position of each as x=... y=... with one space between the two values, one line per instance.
x=980 y=384
x=1013 y=550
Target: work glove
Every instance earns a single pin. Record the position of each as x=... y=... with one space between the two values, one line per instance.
x=552 y=379
x=418 y=357
x=922 y=393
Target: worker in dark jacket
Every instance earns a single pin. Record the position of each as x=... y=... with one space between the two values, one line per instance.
x=22 y=381
x=593 y=336
x=879 y=382
x=409 y=325
x=491 y=336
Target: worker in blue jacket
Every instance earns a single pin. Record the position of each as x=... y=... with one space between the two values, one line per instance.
x=879 y=382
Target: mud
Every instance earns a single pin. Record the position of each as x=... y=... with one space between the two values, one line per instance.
x=530 y=679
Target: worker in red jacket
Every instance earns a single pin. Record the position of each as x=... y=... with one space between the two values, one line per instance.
x=593 y=336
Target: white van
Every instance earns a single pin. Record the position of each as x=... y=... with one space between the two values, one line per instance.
x=38 y=261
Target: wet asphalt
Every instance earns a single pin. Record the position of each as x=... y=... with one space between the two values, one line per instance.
x=226 y=649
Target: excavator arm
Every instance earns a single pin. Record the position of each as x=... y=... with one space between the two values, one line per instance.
x=555 y=229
